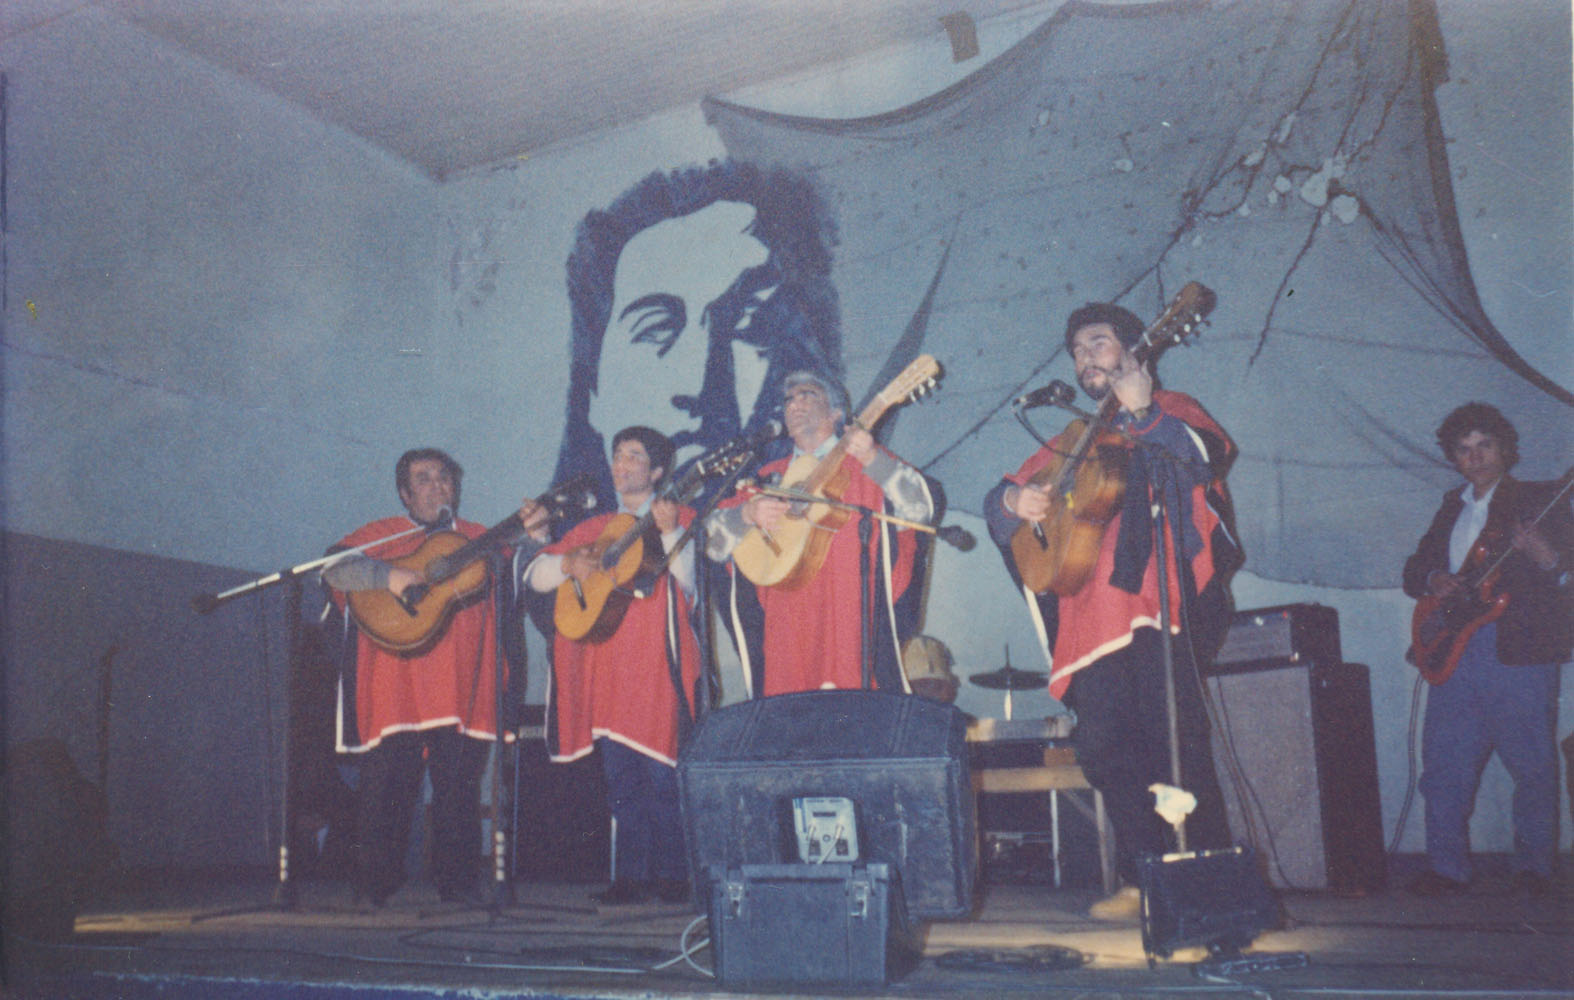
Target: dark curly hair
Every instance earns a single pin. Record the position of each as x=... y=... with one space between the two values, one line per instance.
x=658 y=447
x=1128 y=328
x=1478 y=417
x=409 y=458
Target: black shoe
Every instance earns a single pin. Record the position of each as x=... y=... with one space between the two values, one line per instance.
x=1430 y=883
x=622 y=892
x=672 y=890
x=1534 y=884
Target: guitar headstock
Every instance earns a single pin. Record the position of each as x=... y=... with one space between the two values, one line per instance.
x=1181 y=319
x=921 y=375
x=718 y=463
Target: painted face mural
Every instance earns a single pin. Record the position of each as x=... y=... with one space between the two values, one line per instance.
x=656 y=351
x=692 y=295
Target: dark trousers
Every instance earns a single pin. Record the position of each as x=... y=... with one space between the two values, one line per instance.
x=643 y=795
x=390 y=785
x=1122 y=743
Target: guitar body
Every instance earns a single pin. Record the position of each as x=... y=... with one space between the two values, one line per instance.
x=1441 y=628
x=791 y=555
x=1058 y=554
x=794 y=552
x=593 y=612
x=1087 y=480
x=386 y=622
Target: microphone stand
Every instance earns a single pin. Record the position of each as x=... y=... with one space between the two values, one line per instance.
x=707 y=683
x=285 y=894
x=1161 y=527
x=502 y=888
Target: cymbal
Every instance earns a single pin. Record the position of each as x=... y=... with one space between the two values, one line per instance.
x=1009 y=678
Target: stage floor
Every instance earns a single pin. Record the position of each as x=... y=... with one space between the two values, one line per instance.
x=227 y=937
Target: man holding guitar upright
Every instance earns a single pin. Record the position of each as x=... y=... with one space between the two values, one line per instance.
x=1107 y=661
x=1494 y=538
x=429 y=707
x=813 y=633
x=624 y=686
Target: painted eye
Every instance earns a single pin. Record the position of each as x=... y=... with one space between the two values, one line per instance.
x=658 y=319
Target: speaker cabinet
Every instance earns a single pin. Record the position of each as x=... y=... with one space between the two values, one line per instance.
x=901 y=759
x=1305 y=794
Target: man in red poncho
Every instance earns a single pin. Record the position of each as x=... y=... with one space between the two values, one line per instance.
x=813 y=636
x=1107 y=659
x=628 y=694
x=431 y=710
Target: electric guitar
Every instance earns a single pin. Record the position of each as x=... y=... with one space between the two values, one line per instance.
x=793 y=552
x=1441 y=627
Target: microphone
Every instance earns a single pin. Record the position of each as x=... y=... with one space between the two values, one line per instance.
x=445 y=518
x=763 y=435
x=956 y=536
x=1056 y=393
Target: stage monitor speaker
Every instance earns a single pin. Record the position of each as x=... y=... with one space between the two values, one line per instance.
x=1280 y=635
x=900 y=759
x=1211 y=899
x=1307 y=797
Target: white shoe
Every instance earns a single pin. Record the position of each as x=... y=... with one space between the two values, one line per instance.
x=1124 y=904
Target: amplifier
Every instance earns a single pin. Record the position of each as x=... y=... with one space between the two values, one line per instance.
x=1285 y=635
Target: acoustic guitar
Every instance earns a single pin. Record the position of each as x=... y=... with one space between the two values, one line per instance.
x=630 y=559
x=791 y=554
x=1441 y=627
x=454 y=573
x=1087 y=483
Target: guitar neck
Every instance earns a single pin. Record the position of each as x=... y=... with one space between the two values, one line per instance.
x=496 y=536
x=1557 y=498
x=833 y=459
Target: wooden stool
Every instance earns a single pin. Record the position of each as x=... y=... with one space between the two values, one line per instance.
x=1059 y=773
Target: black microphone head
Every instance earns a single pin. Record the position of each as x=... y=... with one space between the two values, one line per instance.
x=957 y=537
x=764 y=434
x=1061 y=393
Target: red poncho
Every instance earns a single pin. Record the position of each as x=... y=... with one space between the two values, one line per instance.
x=813 y=638
x=1100 y=618
x=449 y=684
x=621 y=688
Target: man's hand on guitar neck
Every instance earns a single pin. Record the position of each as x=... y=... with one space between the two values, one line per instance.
x=664 y=513
x=859 y=444
x=1529 y=540
x=535 y=517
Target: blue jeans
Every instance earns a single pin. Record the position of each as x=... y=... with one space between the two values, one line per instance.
x=1486 y=706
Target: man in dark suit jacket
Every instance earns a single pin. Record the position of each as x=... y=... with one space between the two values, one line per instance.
x=1503 y=693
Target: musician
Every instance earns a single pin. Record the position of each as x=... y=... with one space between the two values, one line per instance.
x=628 y=695
x=430 y=711
x=1107 y=661
x=1502 y=695
x=812 y=635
